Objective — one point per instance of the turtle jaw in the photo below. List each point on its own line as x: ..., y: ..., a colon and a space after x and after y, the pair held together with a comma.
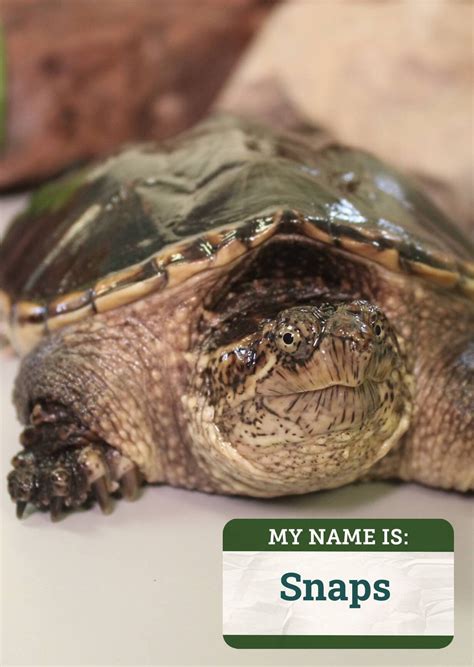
x: 322, y: 438
x: 324, y: 414
x: 300, y: 443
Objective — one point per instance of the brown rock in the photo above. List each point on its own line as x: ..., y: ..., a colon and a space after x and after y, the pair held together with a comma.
x: 83, y: 77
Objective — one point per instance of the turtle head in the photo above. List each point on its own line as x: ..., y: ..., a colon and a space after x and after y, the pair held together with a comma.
x: 309, y: 400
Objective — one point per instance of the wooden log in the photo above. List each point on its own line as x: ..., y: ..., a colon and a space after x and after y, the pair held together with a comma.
x: 85, y: 76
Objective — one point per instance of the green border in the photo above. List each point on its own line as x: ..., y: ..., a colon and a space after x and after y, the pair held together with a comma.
x: 421, y: 534
x: 338, y: 641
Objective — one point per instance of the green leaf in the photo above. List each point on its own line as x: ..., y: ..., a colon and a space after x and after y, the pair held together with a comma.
x: 52, y: 196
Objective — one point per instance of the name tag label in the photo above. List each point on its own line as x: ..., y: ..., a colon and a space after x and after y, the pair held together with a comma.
x: 369, y: 583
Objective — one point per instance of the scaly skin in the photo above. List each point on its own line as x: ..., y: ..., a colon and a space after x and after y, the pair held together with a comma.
x: 438, y: 450
x: 129, y: 380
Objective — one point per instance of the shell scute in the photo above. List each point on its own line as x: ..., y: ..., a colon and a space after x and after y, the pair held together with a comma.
x: 152, y: 216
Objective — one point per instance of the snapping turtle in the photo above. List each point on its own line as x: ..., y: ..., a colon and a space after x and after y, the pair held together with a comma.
x: 239, y: 311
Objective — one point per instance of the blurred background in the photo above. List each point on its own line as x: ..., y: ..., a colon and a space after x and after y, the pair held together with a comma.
x: 80, y: 77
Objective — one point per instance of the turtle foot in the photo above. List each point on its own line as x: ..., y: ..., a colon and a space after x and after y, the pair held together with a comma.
x: 69, y: 474
x: 72, y: 478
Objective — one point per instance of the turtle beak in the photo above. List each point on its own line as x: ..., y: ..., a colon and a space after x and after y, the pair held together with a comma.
x: 345, y: 351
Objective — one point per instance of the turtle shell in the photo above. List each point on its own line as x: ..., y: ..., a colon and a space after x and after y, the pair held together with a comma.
x: 153, y: 215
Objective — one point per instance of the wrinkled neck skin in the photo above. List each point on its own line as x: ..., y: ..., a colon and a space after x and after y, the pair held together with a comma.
x: 309, y: 400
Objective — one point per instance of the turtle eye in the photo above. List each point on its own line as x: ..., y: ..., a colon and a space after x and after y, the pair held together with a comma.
x: 379, y: 330
x: 288, y: 339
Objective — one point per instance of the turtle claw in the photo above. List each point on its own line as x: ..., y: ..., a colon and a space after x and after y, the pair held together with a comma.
x: 130, y: 483
x: 99, y: 487
x: 20, y: 508
x: 56, y: 508
x: 71, y: 477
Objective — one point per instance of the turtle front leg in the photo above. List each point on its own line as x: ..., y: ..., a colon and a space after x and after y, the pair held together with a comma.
x: 64, y: 465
